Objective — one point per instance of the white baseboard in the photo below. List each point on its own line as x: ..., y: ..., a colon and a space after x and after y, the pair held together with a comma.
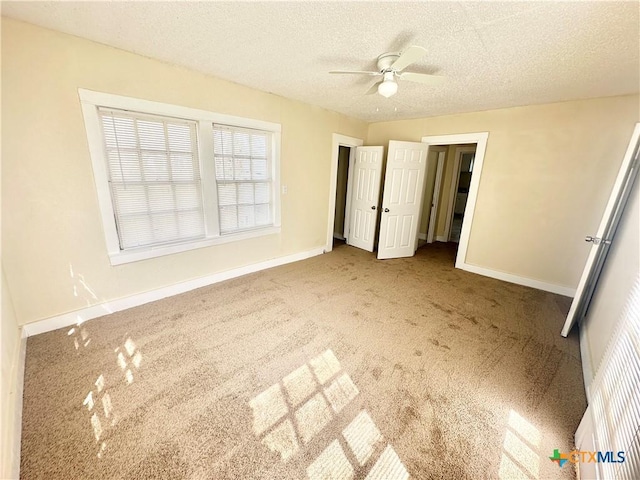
x: 78, y: 316
x: 422, y: 236
x: 17, y: 424
x: 527, y: 282
x: 12, y: 431
x: 441, y: 238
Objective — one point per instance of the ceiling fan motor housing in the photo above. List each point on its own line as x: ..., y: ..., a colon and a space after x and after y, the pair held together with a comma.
x: 386, y: 60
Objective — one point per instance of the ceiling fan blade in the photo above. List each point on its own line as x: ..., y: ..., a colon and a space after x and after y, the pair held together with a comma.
x: 373, y: 89
x: 355, y: 72
x: 409, y: 56
x: 422, y: 78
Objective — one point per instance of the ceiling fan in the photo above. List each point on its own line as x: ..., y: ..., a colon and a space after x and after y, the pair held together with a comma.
x: 391, y: 66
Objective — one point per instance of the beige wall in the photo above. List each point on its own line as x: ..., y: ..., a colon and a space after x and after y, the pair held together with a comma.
x: 51, y: 221
x: 619, y: 274
x: 547, y: 173
x: 10, y: 347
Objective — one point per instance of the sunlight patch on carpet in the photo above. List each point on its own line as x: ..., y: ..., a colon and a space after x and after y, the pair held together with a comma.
x: 282, y: 440
x: 341, y: 391
x: 331, y: 463
x: 527, y: 431
x: 325, y: 366
x: 520, y: 449
x: 129, y: 359
x: 362, y: 435
x: 312, y: 417
x: 268, y: 408
x: 299, y: 385
x: 290, y: 414
x: 388, y: 466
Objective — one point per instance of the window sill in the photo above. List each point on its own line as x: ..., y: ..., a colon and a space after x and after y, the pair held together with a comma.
x: 122, y: 257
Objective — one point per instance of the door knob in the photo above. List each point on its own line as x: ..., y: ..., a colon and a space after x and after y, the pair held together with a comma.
x: 373, y: 207
x: 386, y: 210
x: 596, y: 240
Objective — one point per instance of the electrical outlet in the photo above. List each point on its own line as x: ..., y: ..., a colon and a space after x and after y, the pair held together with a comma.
x: 284, y: 189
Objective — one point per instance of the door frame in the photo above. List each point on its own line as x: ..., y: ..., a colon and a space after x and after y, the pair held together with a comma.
x: 453, y: 192
x: 338, y: 141
x: 480, y: 139
x: 433, y: 215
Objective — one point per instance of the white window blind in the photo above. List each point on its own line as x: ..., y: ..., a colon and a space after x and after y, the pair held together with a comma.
x: 616, y: 394
x: 243, y: 177
x: 154, y: 177
x: 171, y: 178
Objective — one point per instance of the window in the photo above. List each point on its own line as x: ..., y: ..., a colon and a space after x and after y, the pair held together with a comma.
x: 172, y: 178
x: 243, y: 177
x: 154, y: 177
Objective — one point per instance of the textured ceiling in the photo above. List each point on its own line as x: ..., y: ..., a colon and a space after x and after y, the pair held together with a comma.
x: 494, y: 54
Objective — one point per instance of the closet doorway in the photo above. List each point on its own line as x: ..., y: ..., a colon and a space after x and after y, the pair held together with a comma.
x: 460, y: 181
x: 464, y: 157
x: 341, y: 208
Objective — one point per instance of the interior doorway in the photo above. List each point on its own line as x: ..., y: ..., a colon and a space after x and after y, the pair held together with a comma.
x: 341, y: 213
x: 432, y: 187
x: 447, y: 184
x: 464, y: 157
x: 343, y: 147
x: 459, y: 184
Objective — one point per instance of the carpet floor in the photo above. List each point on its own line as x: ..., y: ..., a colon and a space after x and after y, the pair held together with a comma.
x: 340, y: 366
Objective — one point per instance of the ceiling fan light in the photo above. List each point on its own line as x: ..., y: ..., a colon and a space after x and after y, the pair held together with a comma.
x: 388, y: 88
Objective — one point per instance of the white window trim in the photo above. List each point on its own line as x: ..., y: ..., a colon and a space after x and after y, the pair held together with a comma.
x: 91, y: 100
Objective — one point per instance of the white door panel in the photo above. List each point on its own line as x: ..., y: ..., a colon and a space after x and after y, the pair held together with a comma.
x: 402, y: 199
x: 604, y: 236
x: 366, y: 192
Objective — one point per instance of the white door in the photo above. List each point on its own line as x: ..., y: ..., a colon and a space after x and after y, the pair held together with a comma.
x: 402, y: 199
x: 607, y: 229
x: 367, y: 173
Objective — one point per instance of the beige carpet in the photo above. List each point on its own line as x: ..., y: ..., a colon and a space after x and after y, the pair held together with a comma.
x: 340, y: 366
